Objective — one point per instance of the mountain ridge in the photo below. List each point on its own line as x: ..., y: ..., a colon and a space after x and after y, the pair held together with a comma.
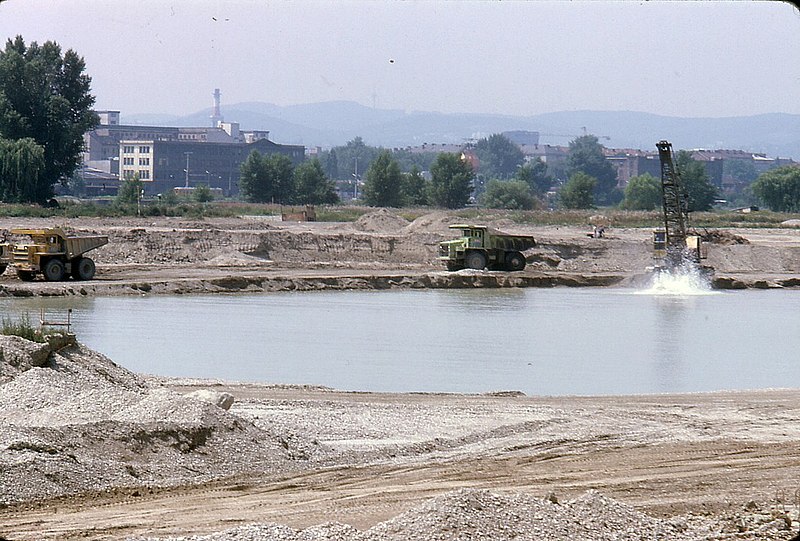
x: 327, y: 124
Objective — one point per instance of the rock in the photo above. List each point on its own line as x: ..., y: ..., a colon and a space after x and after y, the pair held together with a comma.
x: 222, y: 400
x: 23, y: 354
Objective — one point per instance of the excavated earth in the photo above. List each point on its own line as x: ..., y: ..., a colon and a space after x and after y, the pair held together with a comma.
x: 89, y: 450
x: 380, y: 250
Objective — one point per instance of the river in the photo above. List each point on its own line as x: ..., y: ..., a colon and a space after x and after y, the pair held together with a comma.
x: 560, y: 341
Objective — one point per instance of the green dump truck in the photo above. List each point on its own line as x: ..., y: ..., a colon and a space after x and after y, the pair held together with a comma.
x: 51, y: 253
x: 481, y: 247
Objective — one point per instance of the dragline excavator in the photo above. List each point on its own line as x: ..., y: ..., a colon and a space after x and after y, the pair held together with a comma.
x: 674, y: 245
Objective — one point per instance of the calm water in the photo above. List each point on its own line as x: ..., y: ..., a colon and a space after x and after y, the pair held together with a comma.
x: 540, y: 341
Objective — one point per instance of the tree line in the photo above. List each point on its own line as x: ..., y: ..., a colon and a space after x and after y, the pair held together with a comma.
x: 46, y: 107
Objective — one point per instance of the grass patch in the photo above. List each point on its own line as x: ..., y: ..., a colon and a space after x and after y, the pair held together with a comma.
x: 23, y: 328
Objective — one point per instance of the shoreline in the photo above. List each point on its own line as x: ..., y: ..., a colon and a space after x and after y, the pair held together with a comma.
x: 277, y: 281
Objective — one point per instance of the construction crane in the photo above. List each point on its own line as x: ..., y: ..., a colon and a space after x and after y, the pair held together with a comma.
x: 674, y: 245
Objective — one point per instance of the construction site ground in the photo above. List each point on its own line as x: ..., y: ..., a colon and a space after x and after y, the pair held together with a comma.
x: 90, y: 451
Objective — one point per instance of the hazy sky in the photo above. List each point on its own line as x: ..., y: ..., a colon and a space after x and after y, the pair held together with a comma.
x: 699, y: 59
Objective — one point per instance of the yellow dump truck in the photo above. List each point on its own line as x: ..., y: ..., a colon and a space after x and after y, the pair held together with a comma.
x: 51, y: 253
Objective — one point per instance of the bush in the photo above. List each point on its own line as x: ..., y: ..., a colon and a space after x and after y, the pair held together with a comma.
x: 23, y: 329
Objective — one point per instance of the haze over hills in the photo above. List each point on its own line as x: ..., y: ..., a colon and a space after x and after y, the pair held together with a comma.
x: 334, y: 123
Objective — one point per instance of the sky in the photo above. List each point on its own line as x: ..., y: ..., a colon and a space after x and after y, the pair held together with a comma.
x: 675, y: 58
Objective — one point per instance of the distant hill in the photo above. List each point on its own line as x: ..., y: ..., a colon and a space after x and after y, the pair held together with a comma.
x: 334, y: 123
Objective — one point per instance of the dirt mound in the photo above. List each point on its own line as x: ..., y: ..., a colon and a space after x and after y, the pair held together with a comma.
x: 380, y: 221
x: 481, y: 514
x: 72, y: 421
x: 435, y: 222
x: 725, y: 238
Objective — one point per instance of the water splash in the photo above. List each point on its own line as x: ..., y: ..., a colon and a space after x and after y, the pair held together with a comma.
x: 685, y: 280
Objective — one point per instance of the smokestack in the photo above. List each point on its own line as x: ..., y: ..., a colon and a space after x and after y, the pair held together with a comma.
x: 216, y: 116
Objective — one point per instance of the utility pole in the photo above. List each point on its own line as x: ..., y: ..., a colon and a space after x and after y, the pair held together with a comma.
x: 187, y: 169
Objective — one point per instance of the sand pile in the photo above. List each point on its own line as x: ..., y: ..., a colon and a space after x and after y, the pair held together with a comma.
x: 471, y: 514
x: 380, y: 221
x: 435, y: 222
x: 73, y: 421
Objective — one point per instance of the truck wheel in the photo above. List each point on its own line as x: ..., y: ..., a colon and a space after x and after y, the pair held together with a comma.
x: 454, y: 265
x: 475, y: 260
x: 53, y: 270
x: 515, y: 261
x: 83, y: 268
x: 26, y: 276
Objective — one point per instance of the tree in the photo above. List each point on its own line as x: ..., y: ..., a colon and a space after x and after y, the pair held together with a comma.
x: 21, y: 164
x: 779, y: 189
x: 312, y: 186
x: 382, y: 187
x: 354, y: 158
x: 44, y: 96
x: 586, y: 156
x: 413, y: 188
x: 451, y: 182
x: 202, y: 193
x: 267, y: 179
x: 578, y: 192
x: 508, y: 194
x: 534, y: 174
x: 129, y: 191
x: 699, y: 190
x: 332, y: 164
x: 642, y: 193
x: 499, y: 156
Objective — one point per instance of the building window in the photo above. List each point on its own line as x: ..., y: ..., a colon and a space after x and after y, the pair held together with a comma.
x: 144, y: 150
x: 144, y: 174
x: 128, y: 149
x: 144, y: 161
x: 128, y: 173
x: 127, y: 161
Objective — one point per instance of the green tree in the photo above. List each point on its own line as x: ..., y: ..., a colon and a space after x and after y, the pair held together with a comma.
x: 508, y: 194
x: 202, y: 193
x: 354, y: 157
x: 743, y: 171
x: 129, y: 191
x: 642, y: 193
x: 267, y: 179
x: 44, y: 96
x: 499, y: 156
x: 332, y: 164
x: 451, y: 182
x: 312, y: 186
x: 382, y: 187
x: 534, y: 174
x: 779, y: 189
x: 578, y: 192
x: 413, y: 188
x: 586, y: 156
x: 21, y: 164
x: 699, y: 190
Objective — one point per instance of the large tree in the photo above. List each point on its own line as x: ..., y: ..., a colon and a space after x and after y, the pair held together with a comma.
x: 586, y: 156
x: 413, y: 188
x: 451, y: 181
x: 44, y: 96
x: 508, y: 194
x: 578, y: 191
x: 267, y: 179
x: 499, y: 156
x: 779, y: 189
x: 312, y: 186
x: 699, y: 190
x: 642, y: 193
x: 21, y: 164
x: 534, y: 174
x: 383, y: 184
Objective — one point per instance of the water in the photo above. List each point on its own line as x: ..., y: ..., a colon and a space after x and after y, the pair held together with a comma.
x: 541, y: 341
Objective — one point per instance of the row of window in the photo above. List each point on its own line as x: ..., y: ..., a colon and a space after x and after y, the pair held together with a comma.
x: 131, y: 149
x: 130, y: 161
x: 144, y: 174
